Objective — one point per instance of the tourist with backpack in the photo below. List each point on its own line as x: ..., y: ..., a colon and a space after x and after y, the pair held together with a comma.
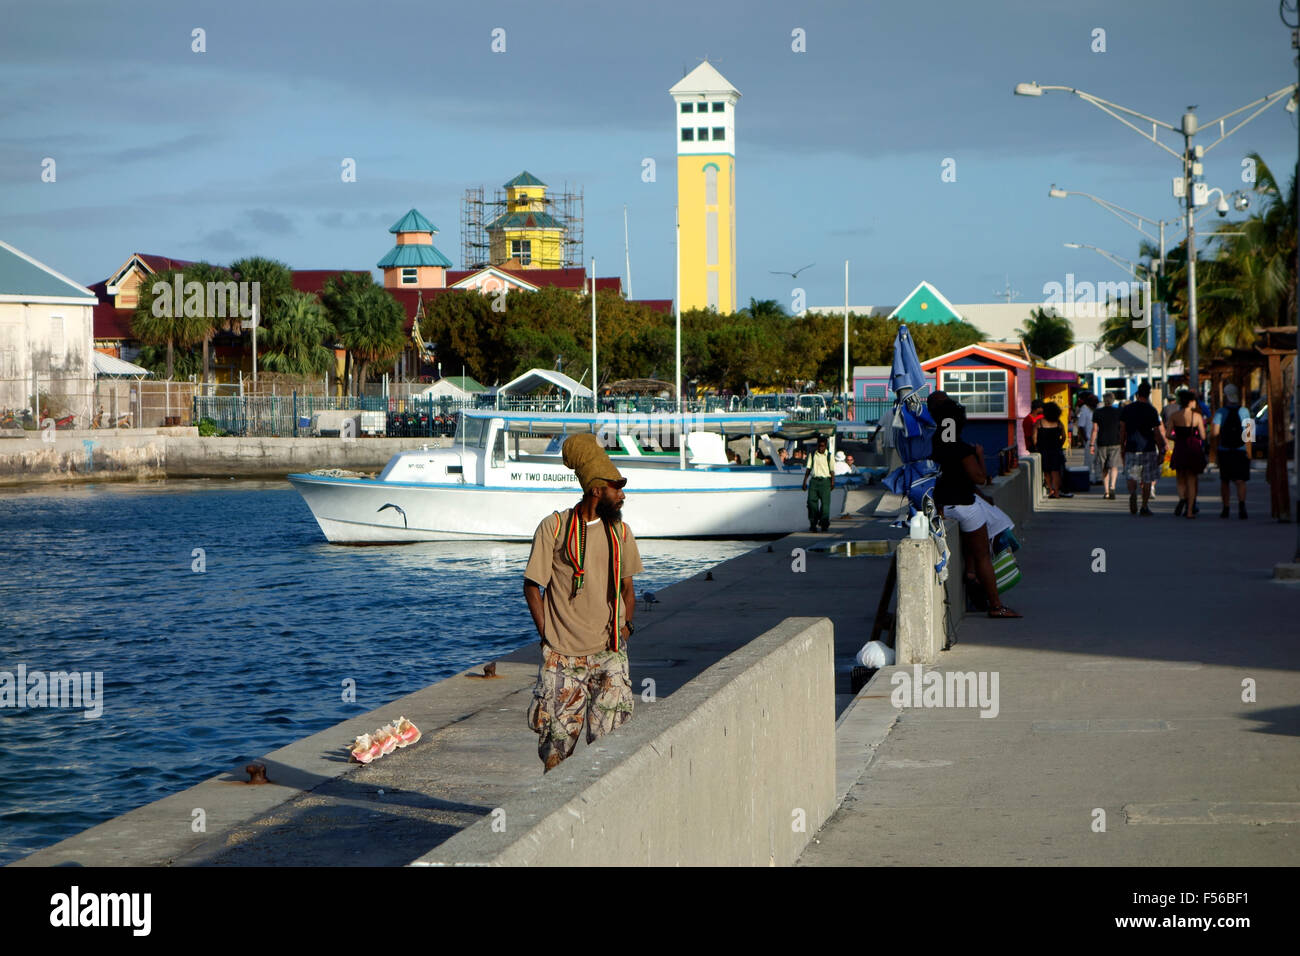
x: 1232, y: 439
x: 1143, y: 437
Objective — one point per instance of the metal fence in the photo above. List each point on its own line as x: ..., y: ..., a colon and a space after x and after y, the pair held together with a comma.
x: 293, y: 415
x: 102, y: 402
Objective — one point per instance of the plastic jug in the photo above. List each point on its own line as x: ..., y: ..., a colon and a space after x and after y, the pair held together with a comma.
x: 918, y: 528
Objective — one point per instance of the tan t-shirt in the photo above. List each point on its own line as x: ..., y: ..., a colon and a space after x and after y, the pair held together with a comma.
x: 819, y: 463
x: 584, y: 624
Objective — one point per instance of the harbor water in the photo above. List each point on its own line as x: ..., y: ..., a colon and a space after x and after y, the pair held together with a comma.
x: 223, y: 626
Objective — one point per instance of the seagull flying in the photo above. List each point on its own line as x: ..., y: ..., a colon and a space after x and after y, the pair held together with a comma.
x: 795, y: 274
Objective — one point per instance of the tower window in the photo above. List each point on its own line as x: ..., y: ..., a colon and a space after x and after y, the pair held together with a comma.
x: 718, y: 107
x: 719, y: 132
x: 522, y: 249
x: 702, y: 134
x: 410, y: 275
x: 711, y: 238
x: 687, y: 108
x: 688, y: 135
x: 710, y: 185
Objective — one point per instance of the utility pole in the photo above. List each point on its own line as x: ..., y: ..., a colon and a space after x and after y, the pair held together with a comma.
x: 1189, y: 198
x: 1293, y: 8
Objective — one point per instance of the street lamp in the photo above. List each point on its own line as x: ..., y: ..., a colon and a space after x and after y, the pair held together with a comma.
x: 1241, y: 201
x: 1291, y: 9
x: 1190, y: 156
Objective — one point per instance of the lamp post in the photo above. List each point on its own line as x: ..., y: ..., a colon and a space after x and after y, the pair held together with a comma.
x: 1190, y: 157
x: 845, y: 407
x: 1135, y: 220
x: 1293, y: 8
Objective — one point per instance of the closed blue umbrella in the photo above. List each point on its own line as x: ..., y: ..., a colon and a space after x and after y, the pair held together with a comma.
x: 912, y: 429
x: 912, y: 425
x: 905, y: 373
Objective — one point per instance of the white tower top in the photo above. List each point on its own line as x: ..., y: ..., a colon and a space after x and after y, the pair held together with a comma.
x: 705, y: 91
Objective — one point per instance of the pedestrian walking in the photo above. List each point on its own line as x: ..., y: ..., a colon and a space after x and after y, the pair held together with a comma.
x: 1143, y: 437
x: 1188, y: 458
x: 1232, y: 447
x: 956, y: 496
x: 1049, y: 439
x: 585, y: 558
x: 1087, y: 404
x: 1104, y: 443
x: 818, y: 480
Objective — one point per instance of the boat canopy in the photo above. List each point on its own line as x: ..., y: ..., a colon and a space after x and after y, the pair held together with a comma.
x: 579, y: 421
x: 536, y: 378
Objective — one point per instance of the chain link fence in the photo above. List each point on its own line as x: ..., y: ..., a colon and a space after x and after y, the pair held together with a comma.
x: 100, y: 402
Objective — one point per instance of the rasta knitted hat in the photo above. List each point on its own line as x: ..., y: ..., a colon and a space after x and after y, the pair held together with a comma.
x: 585, y: 455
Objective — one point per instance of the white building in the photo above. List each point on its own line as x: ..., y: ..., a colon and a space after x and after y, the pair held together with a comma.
x: 46, y: 334
x: 997, y: 321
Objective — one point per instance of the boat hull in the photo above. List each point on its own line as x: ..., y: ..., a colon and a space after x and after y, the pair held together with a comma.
x: 368, y: 511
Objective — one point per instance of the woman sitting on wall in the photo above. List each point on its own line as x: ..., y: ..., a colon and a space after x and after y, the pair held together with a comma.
x: 961, y: 472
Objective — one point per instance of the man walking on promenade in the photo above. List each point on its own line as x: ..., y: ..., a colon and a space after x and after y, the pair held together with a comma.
x: 1107, y: 452
x: 585, y: 558
x: 1143, y: 437
x: 1232, y: 449
x: 821, y: 471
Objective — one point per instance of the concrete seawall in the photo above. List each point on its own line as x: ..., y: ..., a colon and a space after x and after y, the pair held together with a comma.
x: 676, y: 786
x: 126, y: 455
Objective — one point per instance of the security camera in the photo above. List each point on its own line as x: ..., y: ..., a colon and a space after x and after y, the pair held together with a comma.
x: 1241, y: 203
x: 1222, y: 207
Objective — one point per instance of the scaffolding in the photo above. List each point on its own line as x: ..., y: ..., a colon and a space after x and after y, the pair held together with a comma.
x: 478, y: 212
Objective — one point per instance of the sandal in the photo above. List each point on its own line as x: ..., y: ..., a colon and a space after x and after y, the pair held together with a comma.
x: 1003, y: 611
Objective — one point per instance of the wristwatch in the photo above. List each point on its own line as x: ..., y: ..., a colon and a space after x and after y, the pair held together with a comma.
x: 630, y: 628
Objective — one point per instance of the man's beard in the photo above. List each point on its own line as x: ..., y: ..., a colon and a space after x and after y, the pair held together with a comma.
x: 608, y: 511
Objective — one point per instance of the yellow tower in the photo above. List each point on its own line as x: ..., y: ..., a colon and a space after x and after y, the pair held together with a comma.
x: 706, y: 188
x: 526, y: 236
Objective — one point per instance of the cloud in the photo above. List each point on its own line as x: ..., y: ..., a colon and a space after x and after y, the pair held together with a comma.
x: 270, y: 222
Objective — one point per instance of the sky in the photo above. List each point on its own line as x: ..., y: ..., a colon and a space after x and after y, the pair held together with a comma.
x: 841, y: 148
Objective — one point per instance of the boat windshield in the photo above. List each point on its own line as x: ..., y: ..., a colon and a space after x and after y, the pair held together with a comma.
x: 471, y: 431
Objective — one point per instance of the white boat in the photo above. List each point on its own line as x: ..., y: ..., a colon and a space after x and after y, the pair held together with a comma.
x: 503, y: 474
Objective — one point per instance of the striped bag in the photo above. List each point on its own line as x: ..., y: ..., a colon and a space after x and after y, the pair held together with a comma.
x: 1005, y: 570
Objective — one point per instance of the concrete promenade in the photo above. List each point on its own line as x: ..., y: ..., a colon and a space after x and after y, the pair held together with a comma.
x: 1119, y: 691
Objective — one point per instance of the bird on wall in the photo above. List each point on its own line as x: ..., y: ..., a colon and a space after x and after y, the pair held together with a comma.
x: 795, y: 274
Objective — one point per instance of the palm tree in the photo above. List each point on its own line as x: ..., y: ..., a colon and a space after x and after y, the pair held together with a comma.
x: 369, y: 321
x: 1249, y: 280
x: 764, y: 308
x: 171, y: 323
x: 1046, y: 334
x: 274, y: 281
x: 295, y: 342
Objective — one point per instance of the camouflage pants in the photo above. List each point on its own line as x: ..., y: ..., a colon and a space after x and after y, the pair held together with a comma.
x: 593, y: 688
